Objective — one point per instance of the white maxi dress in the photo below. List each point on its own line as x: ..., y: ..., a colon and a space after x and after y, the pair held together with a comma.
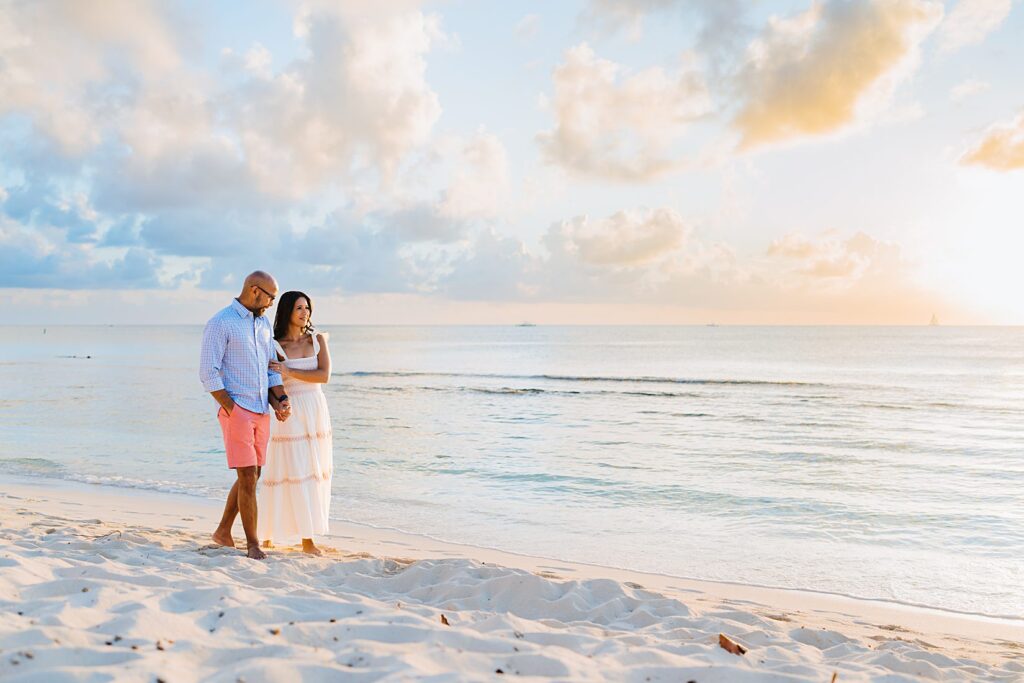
x: 294, y: 498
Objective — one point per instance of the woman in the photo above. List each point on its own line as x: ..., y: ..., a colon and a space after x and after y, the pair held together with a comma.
x: 295, y: 490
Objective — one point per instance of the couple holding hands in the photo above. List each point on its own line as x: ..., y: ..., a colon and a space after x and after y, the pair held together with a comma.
x: 250, y: 369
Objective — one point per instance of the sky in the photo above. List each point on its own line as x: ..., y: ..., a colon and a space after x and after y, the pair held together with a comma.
x: 486, y: 162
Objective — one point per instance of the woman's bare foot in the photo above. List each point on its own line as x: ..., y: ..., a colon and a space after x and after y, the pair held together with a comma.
x: 254, y: 553
x: 223, y: 538
x: 268, y: 543
x: 309, y: 548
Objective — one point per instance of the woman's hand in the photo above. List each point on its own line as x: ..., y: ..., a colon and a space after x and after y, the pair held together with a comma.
x: 279, y: 367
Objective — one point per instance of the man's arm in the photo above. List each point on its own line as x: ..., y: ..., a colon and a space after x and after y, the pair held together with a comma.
x: 221, y: 397
x: 211, y: 358
x: 276, y: 391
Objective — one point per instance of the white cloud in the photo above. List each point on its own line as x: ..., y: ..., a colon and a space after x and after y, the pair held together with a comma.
x: 649, y: 257
x: 823, y: 70
x: 1001, y: 148
x: 528, y: 27
x: 359, y: 100
x: 52, y: 64
x: 627, y: 238
x: 627, y: 15
x: 479, y: 182
x: 38, y: 259
x: 620, y: 128
x: 966, y: 89
x: 971, y: 21
x: 827, y: 258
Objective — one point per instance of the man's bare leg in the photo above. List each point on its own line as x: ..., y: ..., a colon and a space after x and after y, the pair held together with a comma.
x: 222, y: 536
x: 247, y: 477
x: 309, y: 548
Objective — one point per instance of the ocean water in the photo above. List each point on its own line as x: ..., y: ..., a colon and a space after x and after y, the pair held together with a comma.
x: 883, y: 463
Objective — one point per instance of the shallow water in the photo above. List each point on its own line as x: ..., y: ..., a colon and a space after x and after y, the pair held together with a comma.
x: 875, y: 462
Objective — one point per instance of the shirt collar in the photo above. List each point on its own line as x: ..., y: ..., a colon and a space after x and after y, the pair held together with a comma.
x: 241, y: 310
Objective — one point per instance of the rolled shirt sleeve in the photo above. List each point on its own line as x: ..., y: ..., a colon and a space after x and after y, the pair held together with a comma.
x: 273, y: 378
x: 211, y: 357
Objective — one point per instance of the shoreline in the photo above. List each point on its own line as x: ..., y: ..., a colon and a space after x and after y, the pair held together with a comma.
x: 379, y: 535
x: 750, y: 612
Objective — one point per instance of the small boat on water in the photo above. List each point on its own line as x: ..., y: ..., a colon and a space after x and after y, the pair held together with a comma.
x: 934, y: 321
x: 526, y: 325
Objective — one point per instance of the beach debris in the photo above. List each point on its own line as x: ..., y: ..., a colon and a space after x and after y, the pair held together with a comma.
x: 275, y: 631
x: 730, y: 645
x: 160, y: 645
x: 444, y: 620
x: 85, y: 590
x: 518, y: 634
x: 498, y: 671
x: 333, y: 620
x: 835, y: 675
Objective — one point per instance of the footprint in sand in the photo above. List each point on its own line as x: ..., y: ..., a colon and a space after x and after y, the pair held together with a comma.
x: 548, y: 575
x: 214, y: 550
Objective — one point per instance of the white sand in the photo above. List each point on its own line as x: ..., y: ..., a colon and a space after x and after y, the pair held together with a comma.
x: 101, y: 584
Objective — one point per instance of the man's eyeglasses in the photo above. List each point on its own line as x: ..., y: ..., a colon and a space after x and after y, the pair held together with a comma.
x: 272, y: 296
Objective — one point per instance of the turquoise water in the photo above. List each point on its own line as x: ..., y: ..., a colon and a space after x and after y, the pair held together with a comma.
x: 875, y: 462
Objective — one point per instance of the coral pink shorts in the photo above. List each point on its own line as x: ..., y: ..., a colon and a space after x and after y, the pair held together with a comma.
x: 245, y: 436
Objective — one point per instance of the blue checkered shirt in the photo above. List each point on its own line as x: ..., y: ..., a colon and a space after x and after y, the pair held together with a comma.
x: 237, y: 350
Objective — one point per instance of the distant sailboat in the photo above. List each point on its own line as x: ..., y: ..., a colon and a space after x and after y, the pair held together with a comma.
x: 934, y: 321
x: 526, y: 325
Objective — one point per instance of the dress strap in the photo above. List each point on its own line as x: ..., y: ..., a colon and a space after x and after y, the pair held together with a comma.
x: 316, y: 344
x: 280, y: 350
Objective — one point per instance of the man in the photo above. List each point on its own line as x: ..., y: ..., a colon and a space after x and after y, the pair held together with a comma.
x: 238, y: 345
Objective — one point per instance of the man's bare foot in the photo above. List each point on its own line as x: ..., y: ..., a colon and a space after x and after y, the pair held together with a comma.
x: 268, y: 544
x: 254, y: 553
x: 223, y: 538
x: 309, y: 548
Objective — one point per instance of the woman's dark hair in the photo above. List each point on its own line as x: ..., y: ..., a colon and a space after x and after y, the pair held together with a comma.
x: 285, y: 308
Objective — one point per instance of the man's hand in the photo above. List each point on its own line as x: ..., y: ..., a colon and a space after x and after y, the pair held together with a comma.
x: 225, y: 401
x: 283, y: 410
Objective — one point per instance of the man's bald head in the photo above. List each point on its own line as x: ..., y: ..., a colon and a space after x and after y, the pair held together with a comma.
x: 258, y: 292
x: 261, y: 278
